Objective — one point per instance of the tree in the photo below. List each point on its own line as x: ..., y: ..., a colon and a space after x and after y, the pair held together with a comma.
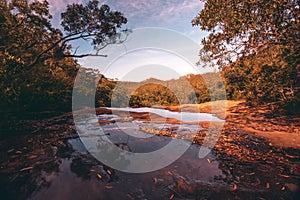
x: 98, y: 24
x: 259, y: 37
x: 241, y: 28
x: 94, y: 22
x: 37, y: 68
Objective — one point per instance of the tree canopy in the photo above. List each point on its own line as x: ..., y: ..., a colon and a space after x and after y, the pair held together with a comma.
x: 37, y: 65
x: 240, y: 27
x: 91, y: 22
x: 257, y: 44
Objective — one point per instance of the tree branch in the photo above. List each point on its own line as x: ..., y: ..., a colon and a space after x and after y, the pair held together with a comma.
x: 37, y: 58
x: 83, y: 55
x: 69, y: 38
x: 76, y: 38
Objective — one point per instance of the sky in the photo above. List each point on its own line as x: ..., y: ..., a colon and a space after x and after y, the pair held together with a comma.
x: 172, y: 16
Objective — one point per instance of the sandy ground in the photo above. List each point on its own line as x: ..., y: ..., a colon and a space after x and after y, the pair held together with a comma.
x: 279, y: 130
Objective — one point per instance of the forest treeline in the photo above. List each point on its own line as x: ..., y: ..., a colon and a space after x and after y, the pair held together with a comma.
x: 192, y: 88
x: 38, y: 66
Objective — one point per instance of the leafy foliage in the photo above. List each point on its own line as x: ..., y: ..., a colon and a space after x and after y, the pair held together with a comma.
x: 104, y: 92
x: 37, y: 67
x: 152, y: 92
x: 241, y: 28
x: 261, y: 78
x: 258, y: 44
x: 91, y: 21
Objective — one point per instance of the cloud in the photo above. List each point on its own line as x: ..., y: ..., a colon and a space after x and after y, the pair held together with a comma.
x: 173, y: 14
x: 57, y: 6
x: 157, y: 64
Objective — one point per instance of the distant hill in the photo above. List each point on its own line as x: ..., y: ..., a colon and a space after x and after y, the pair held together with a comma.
x: 191, y: 88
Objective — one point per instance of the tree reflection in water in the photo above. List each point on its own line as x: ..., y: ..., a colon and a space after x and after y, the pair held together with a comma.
x: 53, y: 163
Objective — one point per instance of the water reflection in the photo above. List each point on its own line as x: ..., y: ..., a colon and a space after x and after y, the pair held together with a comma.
x: 54, y: 164
x: 83, y: 176
x: 183, y: 116
x: 63, y: 169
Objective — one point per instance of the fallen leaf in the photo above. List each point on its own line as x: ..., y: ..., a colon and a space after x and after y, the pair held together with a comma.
x: 109, y: 172
x: 283, y: 188
x: 267, y: 185
x: 170, y: 173
x: 285, y: 176
x: 234, y: 187
x: 208, y: 161
x: 108, y: 187
x: 11, y: 150
x: 172, y: 196
x: 32, y: 156
x: 290, y: 156
x: 99, y: 176
x: 25, y: 169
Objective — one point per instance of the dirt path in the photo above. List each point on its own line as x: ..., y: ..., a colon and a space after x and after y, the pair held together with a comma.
x: 277, y: 129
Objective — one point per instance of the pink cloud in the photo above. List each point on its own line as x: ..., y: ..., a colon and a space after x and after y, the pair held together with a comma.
x: 174, y: 14
x: 57, y: 6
